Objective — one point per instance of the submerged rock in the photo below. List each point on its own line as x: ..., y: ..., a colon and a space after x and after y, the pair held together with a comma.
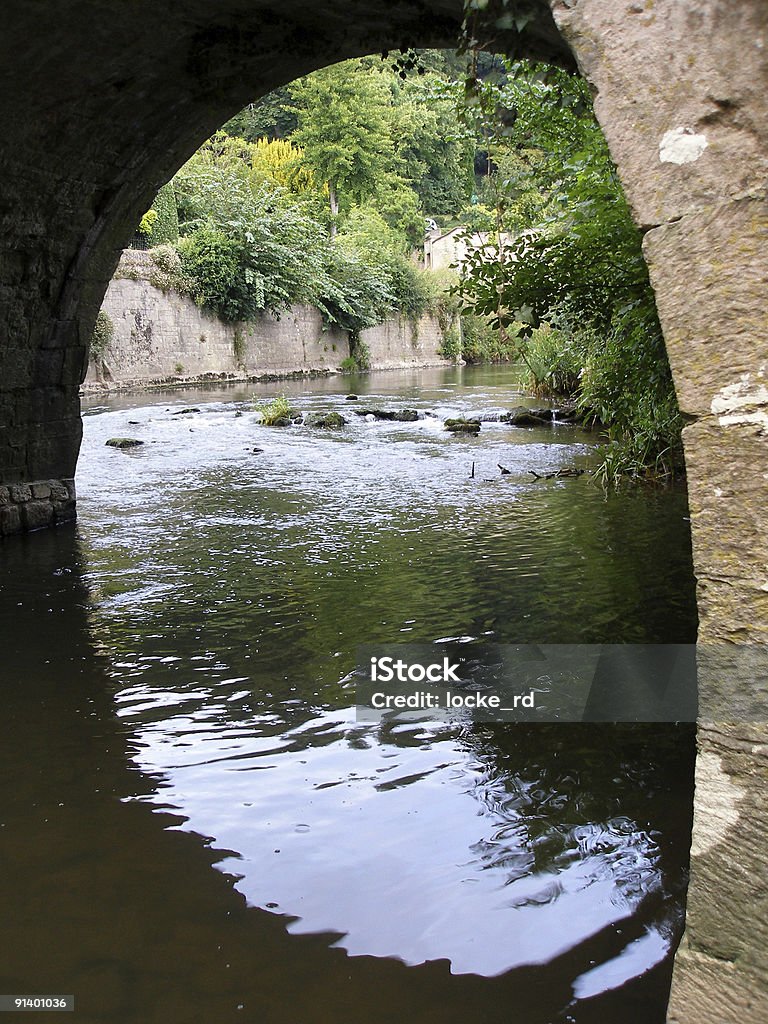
x: 328, y: 421
x: 463, y: 426
x: 351, y: 398
x: 183, y: 412
x: 123, y: 442
x: 396, y: 415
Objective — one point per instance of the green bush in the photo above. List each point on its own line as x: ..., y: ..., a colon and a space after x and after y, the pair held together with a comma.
x: 273, y: 411
x: 354, y: 295
x: 483, y: 343
x: 216, y: 263
x: 103, y: 331
x: 554, y: 359
x: 450, y: 345
x: 166, y: 226
x: 167, y: 271
x: 361, y: 355
x: 627, y: 385
x: 368, y: 237
x: 147, y: 224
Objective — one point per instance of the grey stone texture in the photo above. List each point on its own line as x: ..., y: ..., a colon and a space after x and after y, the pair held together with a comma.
x: 681, y: 91
x: 99, y: 108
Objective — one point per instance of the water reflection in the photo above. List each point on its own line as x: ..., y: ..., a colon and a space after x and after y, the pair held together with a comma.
x: 414, y: 841
x: 181, y: 705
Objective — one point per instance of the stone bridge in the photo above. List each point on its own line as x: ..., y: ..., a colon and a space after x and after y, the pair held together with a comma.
x: 100, y: 103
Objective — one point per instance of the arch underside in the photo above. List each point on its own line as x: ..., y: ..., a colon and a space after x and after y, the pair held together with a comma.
x: 102, y: 102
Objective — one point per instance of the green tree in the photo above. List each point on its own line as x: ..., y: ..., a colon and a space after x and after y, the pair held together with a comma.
x: 270, y: 117
x: 166, y: 226
x: 344, y: 130
x: 436, y: 148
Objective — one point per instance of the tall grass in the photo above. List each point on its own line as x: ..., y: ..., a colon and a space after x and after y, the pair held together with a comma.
x: 271, y: 412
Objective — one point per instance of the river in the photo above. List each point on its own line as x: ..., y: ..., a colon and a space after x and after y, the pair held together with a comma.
x: 196, y: 825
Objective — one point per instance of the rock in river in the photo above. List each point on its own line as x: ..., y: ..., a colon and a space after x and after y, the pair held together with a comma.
x: 328, y: 421
x: 123, y: 442
x: 291, y: 417
x: 397, y: 415
x: 523, y: 417
x: 463, y: 426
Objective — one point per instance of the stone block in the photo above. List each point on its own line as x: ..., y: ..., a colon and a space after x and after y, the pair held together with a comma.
x: 41, y: 490
x: 699, y: 134
x: 727, y: 460
x: 5, y: 496
x: 10, y: 520
x: 721, y: 975
x: 21, y: 493
x: 36, y: 514
x: 49, y: 366
x: 40, y: 405
x: 62, y: 334
x: 65, y: 511
x: 53, y: 450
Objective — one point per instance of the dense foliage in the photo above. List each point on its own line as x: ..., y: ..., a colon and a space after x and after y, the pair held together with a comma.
x: 562, y: 278
x: 160, y: 224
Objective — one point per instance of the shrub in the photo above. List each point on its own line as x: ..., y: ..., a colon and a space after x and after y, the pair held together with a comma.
x: 554, y: 358
x: 354, y: 295
x: 103, y: 331
x: 238, y: 345
x: 273, y: 411
x: 627, y: 384
x: 167, y: 272
x: 450, y: 344
x: 214, y: 262
x: 166, y: 226
x: 483, y: 343
x: 147, y: 224
x: 361, y: 354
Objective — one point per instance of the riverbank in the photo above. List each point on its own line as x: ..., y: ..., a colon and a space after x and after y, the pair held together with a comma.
x: 154, y: 337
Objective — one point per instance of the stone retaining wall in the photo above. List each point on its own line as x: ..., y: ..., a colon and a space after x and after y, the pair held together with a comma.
x: 162, y: 336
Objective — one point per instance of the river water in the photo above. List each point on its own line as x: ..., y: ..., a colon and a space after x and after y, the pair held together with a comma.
x: 196, y: 827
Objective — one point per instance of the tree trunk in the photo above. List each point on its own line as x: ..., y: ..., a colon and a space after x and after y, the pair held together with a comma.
x: 334, y: 199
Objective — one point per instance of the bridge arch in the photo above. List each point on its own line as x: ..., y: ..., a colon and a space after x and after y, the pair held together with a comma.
x: 102, y: 104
